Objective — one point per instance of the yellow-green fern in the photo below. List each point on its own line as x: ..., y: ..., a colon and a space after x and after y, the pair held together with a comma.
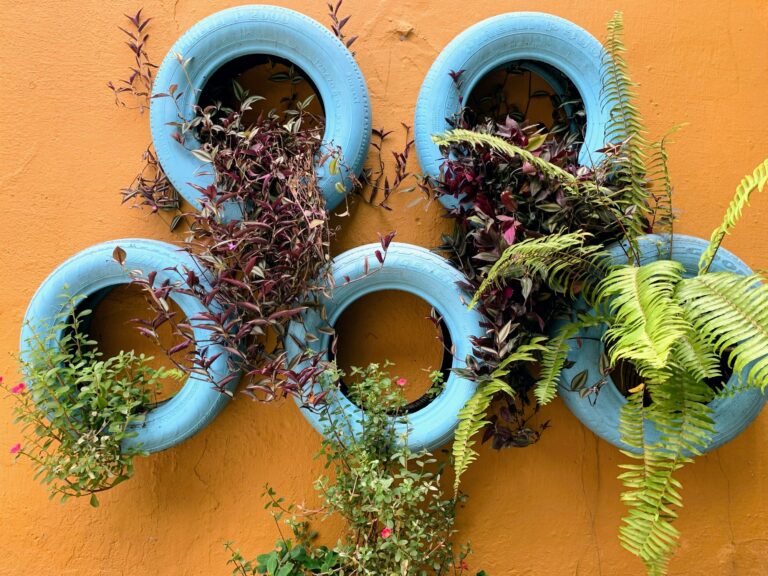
x: 730, y: 313
x: 661, y: 186
x: 552, y: 362
x: 751, y: 182
x: 562, y: 260
x: 461, y: 136
x: 472, y: 415
x: 646, y: 321
x: 555, y: 355
x: 681, y: 414
x: 625, y: 126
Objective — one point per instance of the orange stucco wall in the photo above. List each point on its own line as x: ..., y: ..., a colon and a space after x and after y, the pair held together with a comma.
x: 552, y: 509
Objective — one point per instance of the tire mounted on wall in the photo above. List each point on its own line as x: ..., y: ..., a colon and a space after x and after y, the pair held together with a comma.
x: 420, y: 272
x: 493, y: 43
x: 265, y: 30
x: 92, y: 273
x: 731, y: 414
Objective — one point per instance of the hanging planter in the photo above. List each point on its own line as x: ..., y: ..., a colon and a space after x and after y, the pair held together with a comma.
x: 599, y: 410
x: 261, y: 30
x: 497, y: 41
x: 89, y: 276
x: 430, y: 421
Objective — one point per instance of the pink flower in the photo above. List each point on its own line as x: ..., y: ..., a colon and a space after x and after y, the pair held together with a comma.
x: 386, y: 533
x: 15, y: 448
x: 463, y: 565
x: 231, y: 245
x: 401, y: 382
x: 20, y: 387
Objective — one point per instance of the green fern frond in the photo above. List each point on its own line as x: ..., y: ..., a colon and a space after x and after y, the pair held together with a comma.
x: 683, y: 418
x: 625, y: 126
x: 681, y: 413
x: 663, y: 217
x: 472, y: 415
x: 461, y: 136
x: 647, y: 321
x: 696, y: 357
x: 471, y: 421
x: 647, y: 530
x: 631, y: 429
x: 555, y: 354
x: 730, y: 313
x: 552, y: 361
x: 751, y: 182
x: 560, y: 259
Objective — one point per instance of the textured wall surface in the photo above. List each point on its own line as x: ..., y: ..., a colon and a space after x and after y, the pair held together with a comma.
x: 66, y: 150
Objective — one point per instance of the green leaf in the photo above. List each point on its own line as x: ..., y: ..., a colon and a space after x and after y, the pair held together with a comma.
x: 579, y: 381
x: 751, y: 182
x: 647, y: 321
x: 202, y: 155
x: 730, y: 314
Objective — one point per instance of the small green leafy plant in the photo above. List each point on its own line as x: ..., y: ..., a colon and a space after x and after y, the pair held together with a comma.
x: 76, y: 407
x: 397, y: 518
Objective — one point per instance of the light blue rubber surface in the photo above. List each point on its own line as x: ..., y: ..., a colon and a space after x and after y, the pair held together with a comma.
x: 93, y: 271
x: 422, y: 273
x: 266, y: 30
x: 731, y: 414
x: 497, y: 41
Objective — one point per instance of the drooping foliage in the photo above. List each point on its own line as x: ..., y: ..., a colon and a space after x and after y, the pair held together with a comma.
x: 673, y: 330
x: 519, y: 182
x: 472, y: 415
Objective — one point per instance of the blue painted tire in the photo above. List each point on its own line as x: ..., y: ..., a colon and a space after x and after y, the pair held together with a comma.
x: 410, y: 269
x: 274, y: 31
x: 731, y: 414
x: 93, y: 272
x: 495, y: 42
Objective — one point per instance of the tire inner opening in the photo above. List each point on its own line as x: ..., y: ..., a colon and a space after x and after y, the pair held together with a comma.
x: 391, y: 317
x: 519, y: 90
x: 109, y: 324
x: 282, y: 84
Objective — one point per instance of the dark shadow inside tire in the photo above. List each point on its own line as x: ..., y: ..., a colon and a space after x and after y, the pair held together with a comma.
x: 521, y: 89
x: 279, y: 81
